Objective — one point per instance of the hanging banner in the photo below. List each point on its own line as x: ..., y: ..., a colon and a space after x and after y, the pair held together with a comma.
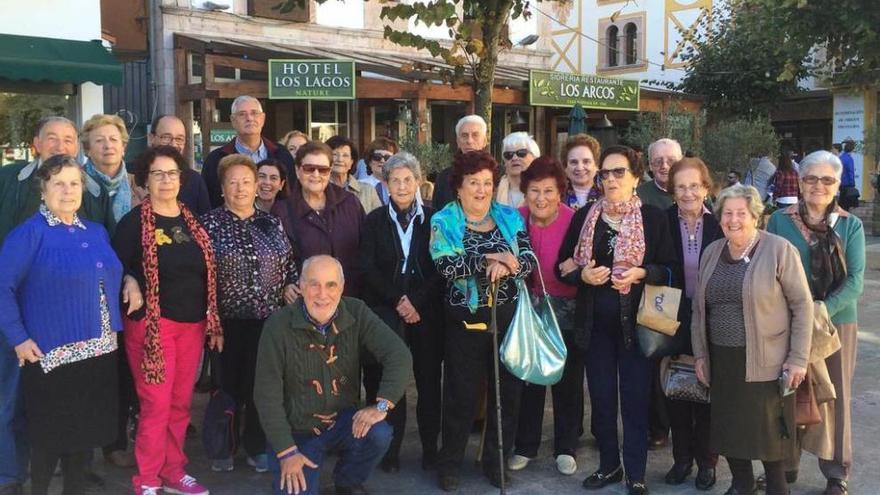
x: 563, y: 89
x: 311, y: 79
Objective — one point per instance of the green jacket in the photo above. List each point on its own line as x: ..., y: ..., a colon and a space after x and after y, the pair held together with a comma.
x: 843, y: 304
x: 293, y: 382
x: 20, y: 199
x: 652, y: 195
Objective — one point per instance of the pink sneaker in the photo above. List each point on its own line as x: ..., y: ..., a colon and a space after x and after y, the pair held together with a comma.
x: 186, y: 485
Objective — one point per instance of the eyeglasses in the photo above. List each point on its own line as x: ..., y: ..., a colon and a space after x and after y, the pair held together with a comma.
x: 162, y: 174
x: 619, y: 173
x: 252, y: 114
x: 825, y: 180
x: 660, y: 160
x: 310, y: 169
x: 379, y: 157
x: 169, y: 138
x: 692, y: 188
x: 337, y: 154
x: 508, y: 155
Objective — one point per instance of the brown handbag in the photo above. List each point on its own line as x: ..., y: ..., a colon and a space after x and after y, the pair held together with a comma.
x: 806, y: 410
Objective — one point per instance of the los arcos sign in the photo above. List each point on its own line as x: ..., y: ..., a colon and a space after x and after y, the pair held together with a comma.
x: 563, y: 89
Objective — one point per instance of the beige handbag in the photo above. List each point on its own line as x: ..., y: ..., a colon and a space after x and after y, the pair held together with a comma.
x: 658, y: 309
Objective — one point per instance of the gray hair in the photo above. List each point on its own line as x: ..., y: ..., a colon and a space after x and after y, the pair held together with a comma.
x: 238, y: 101
x: 471, y: 119
x: 402, y: 160
x: 662, y: 142
x: 52, y: 119
x: 322, y: 257
x: 519, y: 140
x: 749, y: 193
x: 820, y: 157
x: 54, y: 165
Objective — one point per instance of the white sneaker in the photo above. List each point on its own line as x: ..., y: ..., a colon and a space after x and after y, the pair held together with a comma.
x: 566, y: 464
x: 148, y: 490
x: 517, y: 462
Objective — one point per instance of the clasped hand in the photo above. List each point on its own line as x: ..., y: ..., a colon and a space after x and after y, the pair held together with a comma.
x: 500, y: 265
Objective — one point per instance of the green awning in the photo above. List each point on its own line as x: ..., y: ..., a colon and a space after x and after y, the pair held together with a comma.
x: 26, y: 58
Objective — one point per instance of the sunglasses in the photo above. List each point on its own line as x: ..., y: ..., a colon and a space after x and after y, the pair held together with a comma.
x: 619, y: 173
x: 508, y: 155
x: 310, y: 169
x: 825, y: 180
x: 379, y: 157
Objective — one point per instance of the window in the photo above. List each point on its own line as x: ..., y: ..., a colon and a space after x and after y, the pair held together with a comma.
x: 337, y: 13
x: 631, y: 49
x: 612, y: 42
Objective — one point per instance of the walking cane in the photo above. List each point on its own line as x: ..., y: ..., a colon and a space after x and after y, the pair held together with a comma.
x: 493, y: 327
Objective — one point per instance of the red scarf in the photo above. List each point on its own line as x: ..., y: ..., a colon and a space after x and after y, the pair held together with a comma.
x: 153, y: 364
x: 629, y: 250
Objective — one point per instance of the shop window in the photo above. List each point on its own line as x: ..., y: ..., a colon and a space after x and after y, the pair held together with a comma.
x: 612, y: 40
x: 337, y: 13
x: 328, y: 118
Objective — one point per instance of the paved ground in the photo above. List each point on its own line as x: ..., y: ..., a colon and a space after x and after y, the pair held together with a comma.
x: 541, y: 475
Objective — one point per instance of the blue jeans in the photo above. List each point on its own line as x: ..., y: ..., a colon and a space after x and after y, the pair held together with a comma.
x: 13, y: 440
x: 358, y: 456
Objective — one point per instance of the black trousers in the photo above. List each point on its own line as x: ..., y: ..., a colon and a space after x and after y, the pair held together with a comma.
x: 73, y: 467
x: 128, y: 401
x: 690, y: 433
x: 568, y: 409
x: 238, y: 366
x: 469, y: 364
x: 744, y: 477
x: 425, y: 341
x: 659, y: 419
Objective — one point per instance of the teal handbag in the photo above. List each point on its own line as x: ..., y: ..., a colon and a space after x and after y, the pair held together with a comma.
x: 533, y: 349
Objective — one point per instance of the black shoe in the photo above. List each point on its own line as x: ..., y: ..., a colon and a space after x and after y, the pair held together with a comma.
x: 734, y: 491
x: 836, y: 486
x: 447, y: 482
x: 11, y: 489
x: 599, y: 479
x: 494, y: 476
x: 429, y: 460
x: 351, y: 490
x: 636, y: 488
x: 678, y: 473
x: 705, y: 479
x: 390, y: 464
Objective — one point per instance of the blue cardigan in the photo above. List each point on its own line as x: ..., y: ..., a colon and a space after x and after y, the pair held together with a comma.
x: 49, y: 283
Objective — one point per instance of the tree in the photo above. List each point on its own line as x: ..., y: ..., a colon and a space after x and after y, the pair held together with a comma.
x: 673, y: 122
x: 20, y: 113
x: 730, y: 145
x: 478, y: 33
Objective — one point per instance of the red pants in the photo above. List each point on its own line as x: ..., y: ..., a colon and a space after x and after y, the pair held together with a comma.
x: 165, y: 407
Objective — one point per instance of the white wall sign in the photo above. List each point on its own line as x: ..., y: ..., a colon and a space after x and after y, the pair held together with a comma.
x: 849, y: 123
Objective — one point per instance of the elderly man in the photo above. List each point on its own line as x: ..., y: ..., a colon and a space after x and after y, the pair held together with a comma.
x: 307, y: 384
x: 662, y: 153
x: 470, y: 135
x: 168, y: 130
x: 247, y: 120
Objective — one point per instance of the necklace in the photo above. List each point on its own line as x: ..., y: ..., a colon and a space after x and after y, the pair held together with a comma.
x: 692, y: 245
x: 614, y: 224
x: 745, y: 254
x: 477, y: 223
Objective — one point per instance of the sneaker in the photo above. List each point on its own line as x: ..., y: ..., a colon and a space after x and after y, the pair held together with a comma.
x: 259, y: 462
x: 566, y: 464
x: 147, y: 490
x: 186, y: 485
x: 517, y: 462
x: 222, y: 465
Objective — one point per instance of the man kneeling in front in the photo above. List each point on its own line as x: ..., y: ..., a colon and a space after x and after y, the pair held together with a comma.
x: 307, y: 385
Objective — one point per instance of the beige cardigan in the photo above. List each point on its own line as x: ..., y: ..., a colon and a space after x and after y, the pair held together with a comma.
x: 777, y: 308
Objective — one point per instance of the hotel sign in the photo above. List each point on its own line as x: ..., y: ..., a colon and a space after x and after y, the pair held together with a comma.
x: 563, y: 89
x: 311, y: 79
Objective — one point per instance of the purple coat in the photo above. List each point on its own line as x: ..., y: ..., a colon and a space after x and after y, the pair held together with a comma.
x: 337, y: 231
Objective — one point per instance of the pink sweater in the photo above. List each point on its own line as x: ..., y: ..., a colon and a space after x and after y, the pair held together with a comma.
x: 546, y: 242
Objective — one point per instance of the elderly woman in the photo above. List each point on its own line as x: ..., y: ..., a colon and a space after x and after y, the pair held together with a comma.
x: 104, y: 139
x: 610, y: 251
x: 320, y: 217
x: 344, y: 157
x: 293, y: 140
x: 831, y: 244
x: 579, y: 158
x: 162, y: 245
x: 752, y: 322
x: 693, y: 227
x: 271, y: 183
x: 519, y: 151
x: 65, y: 340
x: 402, y: 287
x: 547, y: 219
x: 377, y: 153
x: 475, y: 243
x: 255, y: 276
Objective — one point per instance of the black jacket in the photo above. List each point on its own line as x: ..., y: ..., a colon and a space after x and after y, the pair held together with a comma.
x: 382, y: 257
x: 209, y: 168
x: 659, y: 259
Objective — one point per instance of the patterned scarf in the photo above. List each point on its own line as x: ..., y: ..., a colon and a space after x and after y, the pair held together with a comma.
x: 629, y: 250
x: 827, y: 270
x: 117, y: 188
x: 153, y: 364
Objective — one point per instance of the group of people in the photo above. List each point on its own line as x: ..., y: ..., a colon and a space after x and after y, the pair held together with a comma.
x: 309, y: 283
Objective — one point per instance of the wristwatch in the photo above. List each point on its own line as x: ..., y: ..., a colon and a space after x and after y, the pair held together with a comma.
x: 383, y: 406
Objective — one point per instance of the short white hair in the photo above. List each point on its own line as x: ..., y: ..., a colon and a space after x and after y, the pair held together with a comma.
x: 471, y: 119
x: 749, y: 193
x: 663, y: 142
x: 520, y: 140
x: 307, y: 264
x: 820, y: 157
x: 238, y: 101
x: 53, y: 119
x: 402, y: 160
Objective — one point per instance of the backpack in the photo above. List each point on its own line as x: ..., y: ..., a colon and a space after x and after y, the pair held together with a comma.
x: 218, y: 429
